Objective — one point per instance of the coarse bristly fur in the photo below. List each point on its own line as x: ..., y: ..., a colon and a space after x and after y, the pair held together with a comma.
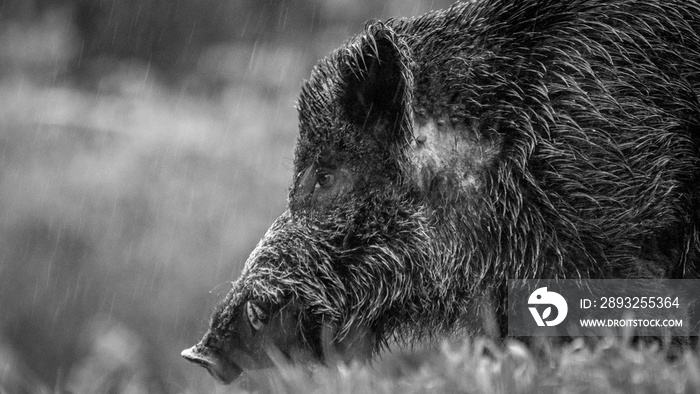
x: 439, y: 156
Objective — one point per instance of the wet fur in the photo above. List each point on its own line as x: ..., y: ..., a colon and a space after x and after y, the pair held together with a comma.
x: 575, y: 153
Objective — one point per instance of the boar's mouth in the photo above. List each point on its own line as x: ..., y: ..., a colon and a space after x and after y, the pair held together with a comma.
x: 219, y: 367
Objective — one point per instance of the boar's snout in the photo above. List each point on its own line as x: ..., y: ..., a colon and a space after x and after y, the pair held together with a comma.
x: 246, y: 335
x: 221, y: 369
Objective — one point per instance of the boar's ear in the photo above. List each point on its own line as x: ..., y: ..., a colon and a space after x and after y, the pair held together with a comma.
x: 375, y: 81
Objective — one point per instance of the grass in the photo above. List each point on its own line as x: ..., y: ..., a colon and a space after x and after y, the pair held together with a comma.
x: 479, y: 366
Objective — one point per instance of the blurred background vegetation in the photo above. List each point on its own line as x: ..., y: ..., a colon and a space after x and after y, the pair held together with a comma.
x: 145, y: 146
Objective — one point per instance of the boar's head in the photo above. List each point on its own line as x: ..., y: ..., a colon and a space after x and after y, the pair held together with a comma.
x: 358, y: 252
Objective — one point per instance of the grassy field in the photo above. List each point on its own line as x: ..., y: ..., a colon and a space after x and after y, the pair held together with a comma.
x: 128, y: 204
x: 478, y: 366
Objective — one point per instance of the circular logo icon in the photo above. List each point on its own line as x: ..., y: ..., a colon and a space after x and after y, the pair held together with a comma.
x: 543, y: 297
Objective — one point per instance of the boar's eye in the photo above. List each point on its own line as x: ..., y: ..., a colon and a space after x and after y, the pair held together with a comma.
x: 257, y: 317
x: 318, y: 185
x: 324, y: 178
